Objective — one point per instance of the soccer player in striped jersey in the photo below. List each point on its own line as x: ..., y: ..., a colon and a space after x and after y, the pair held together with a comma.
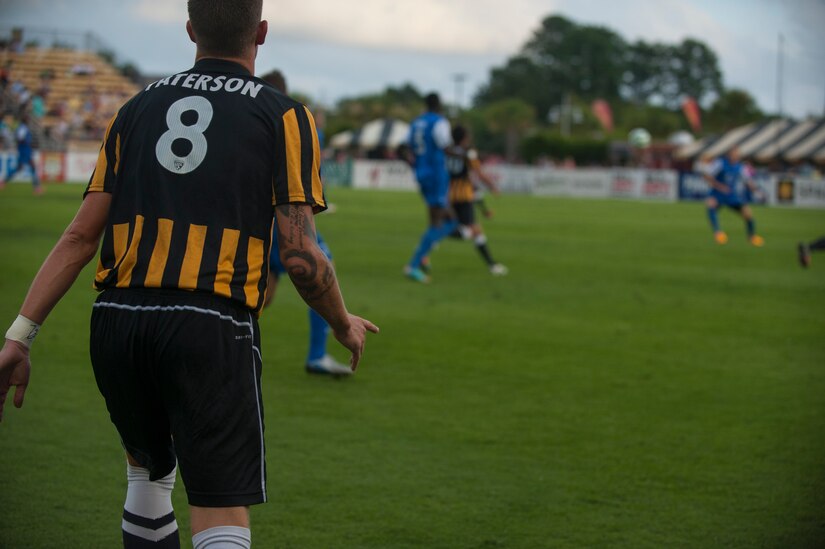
x: 463, y: 165
x: 190, y: 173
x: 318, y: 360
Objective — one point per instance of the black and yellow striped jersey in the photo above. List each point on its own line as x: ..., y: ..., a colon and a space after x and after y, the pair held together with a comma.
x: 196, y: 163
x: 460, y: 163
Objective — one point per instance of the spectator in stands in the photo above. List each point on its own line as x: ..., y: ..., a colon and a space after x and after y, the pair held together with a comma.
x: 6, y: 136
x: 5, y: 74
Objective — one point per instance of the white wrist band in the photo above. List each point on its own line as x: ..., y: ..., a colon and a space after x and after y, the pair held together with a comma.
x: 23, y: 331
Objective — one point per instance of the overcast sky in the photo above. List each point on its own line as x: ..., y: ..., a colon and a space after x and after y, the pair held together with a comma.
x: 330, y: 49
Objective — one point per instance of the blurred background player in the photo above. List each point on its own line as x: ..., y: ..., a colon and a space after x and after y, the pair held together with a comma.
x: 804, y: 250
x: 729, y: 182
x: 25, y: 154
x: 318, y: 360
x: 463, y: 165
x: 429, y: 137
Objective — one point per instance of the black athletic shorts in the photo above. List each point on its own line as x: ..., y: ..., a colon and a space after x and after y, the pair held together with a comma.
x: 464, y: 212
x: 181, y: 375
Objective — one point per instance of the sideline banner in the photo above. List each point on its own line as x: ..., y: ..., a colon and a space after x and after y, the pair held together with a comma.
x: 383, y: 174
x: 692, y: 186
x: 52, y: 167
x: 79, y: 166
x: 809, y: 193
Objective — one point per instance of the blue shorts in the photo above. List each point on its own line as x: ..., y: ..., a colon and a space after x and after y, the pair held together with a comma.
x: 730, y: 200
x: 435, y: 189
x: 277, y: 268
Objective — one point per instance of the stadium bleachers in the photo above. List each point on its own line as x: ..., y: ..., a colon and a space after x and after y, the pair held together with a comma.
x: 84, y: 90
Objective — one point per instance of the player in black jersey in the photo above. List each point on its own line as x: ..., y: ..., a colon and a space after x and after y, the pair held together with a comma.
x: 463, y: 165
x: 189, y: 176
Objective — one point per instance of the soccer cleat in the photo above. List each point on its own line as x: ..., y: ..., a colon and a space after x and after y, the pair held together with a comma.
x: 720, y: 237
x: 425, y: 265
x: 326, y: 365
x: 757, y: 241
x: 497, y: 269
x: 804, y: 254
x: 416, y: 274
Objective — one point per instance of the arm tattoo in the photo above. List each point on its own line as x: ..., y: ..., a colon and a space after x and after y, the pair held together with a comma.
x: 302, y: 268
x: 300, y: 226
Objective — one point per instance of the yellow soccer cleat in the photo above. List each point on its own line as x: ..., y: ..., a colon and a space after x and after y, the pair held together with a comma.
x: 757, y: 241
x: 720, y: 237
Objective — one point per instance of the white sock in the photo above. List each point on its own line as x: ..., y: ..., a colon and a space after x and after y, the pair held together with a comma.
x: 148, y: 517
x: 223, y: 537
x: 481, y: 240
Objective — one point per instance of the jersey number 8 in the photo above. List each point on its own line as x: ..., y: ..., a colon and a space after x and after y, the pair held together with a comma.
x: 178, y: 130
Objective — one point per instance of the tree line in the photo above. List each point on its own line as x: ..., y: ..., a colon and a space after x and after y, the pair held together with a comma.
x: 556, y: 75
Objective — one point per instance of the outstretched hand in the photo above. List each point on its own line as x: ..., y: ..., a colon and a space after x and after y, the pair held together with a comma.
x: 14, y: 371
x: 355, y: 337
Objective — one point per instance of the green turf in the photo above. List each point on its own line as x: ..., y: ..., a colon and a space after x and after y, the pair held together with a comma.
x: 629, y: 384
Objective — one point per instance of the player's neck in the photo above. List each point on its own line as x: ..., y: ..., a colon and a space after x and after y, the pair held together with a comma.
x: 246, y: 61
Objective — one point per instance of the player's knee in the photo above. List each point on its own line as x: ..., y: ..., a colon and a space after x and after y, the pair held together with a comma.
x: 711, y: 203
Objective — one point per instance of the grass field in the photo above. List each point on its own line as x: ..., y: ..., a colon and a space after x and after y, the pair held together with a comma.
x: 629, y: 384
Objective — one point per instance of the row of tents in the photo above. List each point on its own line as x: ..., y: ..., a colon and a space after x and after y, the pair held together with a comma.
x: 767, y: 142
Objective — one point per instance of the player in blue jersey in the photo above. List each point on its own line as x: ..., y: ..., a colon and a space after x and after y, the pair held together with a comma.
x: 429, y: 136
x: 25, y: 153
x: 731, y: 185
x: 318, y: 360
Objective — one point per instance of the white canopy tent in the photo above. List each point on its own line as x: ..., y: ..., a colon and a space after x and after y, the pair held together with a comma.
x: 769, y: 141
x: 383, y: 132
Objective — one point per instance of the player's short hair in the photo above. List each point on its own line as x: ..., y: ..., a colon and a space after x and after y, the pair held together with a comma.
x: 433, y: 102
x: 225, y: 27
x: 459, y: 133
x: 276, y: 79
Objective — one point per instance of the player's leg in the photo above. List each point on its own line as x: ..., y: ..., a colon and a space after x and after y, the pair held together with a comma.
x: 13, y: 169
x: 148, y: 516
x: 276, y: 269
x: 804, y: 250
x: 135, y: 408
x: 750, y: 226
x: 318, y: 360
x: 210, y: 373
x: 712, y: 205
x: 271, y: 288
x: 480, y: 241
x: 35, y: 179
x: 220, y: 528
x: 441, y: 225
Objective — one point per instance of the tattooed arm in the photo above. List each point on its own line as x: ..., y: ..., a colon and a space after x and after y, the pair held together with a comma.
x: 314, y: 278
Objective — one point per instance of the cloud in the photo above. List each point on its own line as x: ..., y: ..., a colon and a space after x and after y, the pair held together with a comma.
x: 459, y: 26
x: 160, y: 11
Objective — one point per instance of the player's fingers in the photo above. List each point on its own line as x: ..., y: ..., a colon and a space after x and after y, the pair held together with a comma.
x: 19, y: 393
x: 371, y: 327
x: 355, y: 359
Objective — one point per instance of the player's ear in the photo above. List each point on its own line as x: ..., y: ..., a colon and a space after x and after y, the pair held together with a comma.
x: 260, y: 35
x: 190, y: 32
